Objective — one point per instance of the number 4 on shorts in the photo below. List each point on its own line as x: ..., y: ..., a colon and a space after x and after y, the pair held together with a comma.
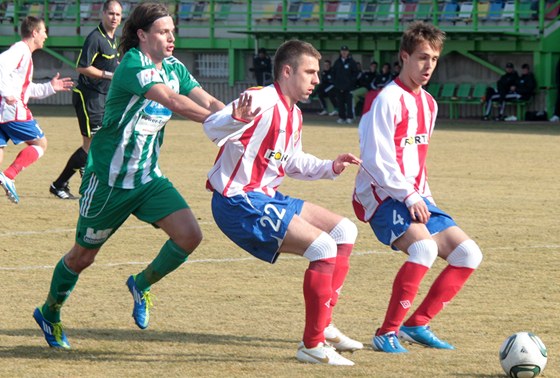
x: 397, y: 219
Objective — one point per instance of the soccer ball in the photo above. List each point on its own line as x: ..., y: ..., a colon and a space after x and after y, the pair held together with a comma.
x: 523, y: 355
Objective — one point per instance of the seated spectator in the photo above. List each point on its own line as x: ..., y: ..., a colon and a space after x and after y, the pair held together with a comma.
x: 506, y: 86
x: 524, y: 90
x: 383, y: 78
x: 325, y: 90
x: 380, y: 81
x: 364, y: 83
x: 526, y: 86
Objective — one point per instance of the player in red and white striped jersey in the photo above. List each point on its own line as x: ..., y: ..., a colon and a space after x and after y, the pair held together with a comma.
x: 16, y: 87
x: 393, y: 196
x: 253, y: 160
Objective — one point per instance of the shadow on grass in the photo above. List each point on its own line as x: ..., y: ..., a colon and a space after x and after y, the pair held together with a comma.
x: 193, y: 350
x: 113, y: 356
x: 470, y: 375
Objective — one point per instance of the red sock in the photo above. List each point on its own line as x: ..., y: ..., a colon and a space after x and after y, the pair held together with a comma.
x: 24, y: 159
x: 405, y: 288
x: 341, y: 268
x: 317, y: 294
x: 443, y: 290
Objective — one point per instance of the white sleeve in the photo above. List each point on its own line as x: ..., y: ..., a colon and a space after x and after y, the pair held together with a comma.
x: 41, y: 90
x: 221, y: 126
x: 307, y: 167
x: 377, y: 132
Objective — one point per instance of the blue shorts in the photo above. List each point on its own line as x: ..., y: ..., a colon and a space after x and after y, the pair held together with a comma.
x: 392, y: 219
x: 19, y: 132
x: 256, y: 222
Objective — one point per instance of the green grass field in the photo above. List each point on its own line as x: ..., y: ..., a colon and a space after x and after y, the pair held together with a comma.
x: 225, y: 313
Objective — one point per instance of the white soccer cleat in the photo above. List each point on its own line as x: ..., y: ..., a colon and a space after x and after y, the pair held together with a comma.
x: 340, y: 341
x: 321, y: 354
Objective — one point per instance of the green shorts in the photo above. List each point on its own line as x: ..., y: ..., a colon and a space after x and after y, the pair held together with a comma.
x: 103, y: 209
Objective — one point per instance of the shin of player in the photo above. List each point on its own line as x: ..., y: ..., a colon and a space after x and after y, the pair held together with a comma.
x: 392, y: 194
x: 254, y: 158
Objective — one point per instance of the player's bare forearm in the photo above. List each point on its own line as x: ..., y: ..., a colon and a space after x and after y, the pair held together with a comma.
x: 177, y: 103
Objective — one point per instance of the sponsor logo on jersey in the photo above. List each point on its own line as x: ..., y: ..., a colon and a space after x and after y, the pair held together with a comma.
x: 96, y: 237
x: 147, y: 76
x: 276, y: 155
x: 415, y: 140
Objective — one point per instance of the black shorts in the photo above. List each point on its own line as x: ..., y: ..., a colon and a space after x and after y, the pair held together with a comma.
x: 90, y: 107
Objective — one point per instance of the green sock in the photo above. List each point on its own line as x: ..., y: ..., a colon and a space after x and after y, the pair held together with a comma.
x: 170, y: 257
x: 62, y: 284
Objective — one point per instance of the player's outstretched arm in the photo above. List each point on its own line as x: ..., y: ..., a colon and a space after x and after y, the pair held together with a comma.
x: 344, y: 160
x: 61, y: 84
x: 177, y: 103
x: 205, y: 99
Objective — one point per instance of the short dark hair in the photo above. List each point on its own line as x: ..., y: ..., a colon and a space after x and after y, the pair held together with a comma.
x: 141, y: 17
x: 525, y: 66
x: 29, y: 25
x: 289, y: 53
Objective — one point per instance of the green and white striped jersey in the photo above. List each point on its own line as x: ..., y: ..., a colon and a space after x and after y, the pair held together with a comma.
x: 124, y: 152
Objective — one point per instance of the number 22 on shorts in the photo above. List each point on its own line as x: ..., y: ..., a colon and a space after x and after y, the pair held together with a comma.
x: 273, y: 219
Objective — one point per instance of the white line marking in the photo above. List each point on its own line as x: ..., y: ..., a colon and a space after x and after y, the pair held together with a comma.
x: 251, y: 258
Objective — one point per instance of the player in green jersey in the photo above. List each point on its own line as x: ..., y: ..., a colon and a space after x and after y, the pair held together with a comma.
x: 122, y: 175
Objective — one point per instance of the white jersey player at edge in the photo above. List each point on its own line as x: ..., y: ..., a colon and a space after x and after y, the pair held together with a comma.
x: 252, y: 162
x: 393, y: 196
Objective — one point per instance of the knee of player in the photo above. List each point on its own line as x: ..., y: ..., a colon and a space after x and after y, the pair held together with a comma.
x: 190, y: 240
x: 466, y: 255
x: 323, y: 247
x: 79, y: 258
x: 423, y: 252
x: 42, y: 143
x: 345, y: 232
x: 40, y: 148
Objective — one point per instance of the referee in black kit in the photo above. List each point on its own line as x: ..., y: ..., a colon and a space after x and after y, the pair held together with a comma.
x: 96, y: 64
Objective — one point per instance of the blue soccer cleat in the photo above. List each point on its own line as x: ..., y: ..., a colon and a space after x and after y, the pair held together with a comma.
x: 9, y: 187
x: 388, y: 343
x: 54, y: 334
x: 423, y: 335
x: 142, y: 304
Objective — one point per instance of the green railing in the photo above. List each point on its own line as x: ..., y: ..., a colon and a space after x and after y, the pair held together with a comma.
x: 220, y: 22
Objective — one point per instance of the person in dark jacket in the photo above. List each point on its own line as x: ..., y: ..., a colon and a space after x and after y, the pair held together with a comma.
x: 384, y: 77
x: 326, y: 90
x: 262, y: 67
x: 363, y: 86
x: 505, y: 86
x: 345, y: 71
